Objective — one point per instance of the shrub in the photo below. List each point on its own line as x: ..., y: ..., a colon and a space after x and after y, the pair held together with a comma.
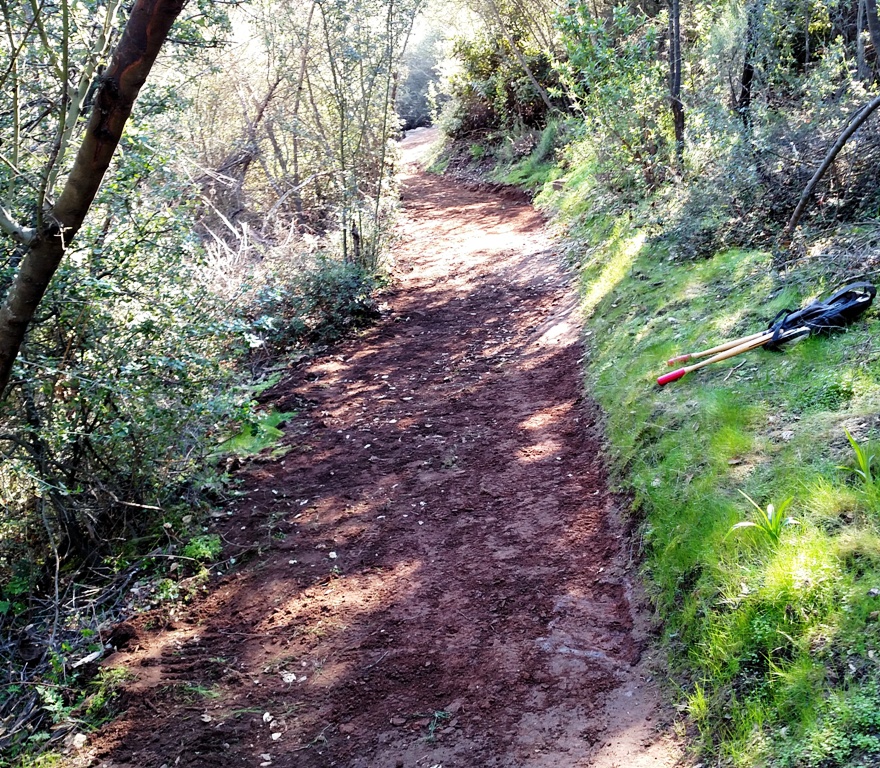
x: 492, y: 91
x: 317, y: 304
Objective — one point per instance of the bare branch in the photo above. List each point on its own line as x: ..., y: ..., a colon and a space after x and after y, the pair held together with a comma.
x: 19, y: 233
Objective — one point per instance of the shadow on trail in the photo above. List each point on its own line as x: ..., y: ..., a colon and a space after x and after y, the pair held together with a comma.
x: 439, y: 581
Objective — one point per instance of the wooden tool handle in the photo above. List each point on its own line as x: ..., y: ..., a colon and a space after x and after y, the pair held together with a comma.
x: 758, y: 341
x: 715, y: 350
x: 754, y: 343
x: 674, y: 376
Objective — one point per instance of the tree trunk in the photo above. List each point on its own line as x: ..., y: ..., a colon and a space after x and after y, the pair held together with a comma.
x: 861, y: 64
x: 144, y: 34
x: 675, y: 78
x: 744, y: 102
x: 297, y: 101
x: 873, y: 25
x: 857, y: 121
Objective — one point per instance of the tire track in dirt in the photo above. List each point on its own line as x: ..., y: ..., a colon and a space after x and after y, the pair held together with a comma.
x: 441, y: 578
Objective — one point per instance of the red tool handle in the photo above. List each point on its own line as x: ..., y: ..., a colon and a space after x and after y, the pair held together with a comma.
x: 679, y: 359
x: 674, y: 376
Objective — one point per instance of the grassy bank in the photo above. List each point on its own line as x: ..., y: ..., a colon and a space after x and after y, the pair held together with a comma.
x: 776, y: 645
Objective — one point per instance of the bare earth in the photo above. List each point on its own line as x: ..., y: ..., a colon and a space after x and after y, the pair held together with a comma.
x: 436, y: 573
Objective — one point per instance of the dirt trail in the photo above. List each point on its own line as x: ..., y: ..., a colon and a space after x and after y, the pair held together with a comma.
x: 441, y: 578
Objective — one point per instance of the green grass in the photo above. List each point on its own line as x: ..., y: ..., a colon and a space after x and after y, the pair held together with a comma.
x: 777, y: 648
x: 535, y: 170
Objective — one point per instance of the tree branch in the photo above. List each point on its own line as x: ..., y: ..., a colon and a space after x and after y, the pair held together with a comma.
x: 16, y: 231
x: 858, y: 119
x: 147, y: 29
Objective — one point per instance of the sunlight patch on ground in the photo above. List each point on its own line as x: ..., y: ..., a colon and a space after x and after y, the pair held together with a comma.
x: 355, y: 596
x: 614, y: 271
x: 538, y: 451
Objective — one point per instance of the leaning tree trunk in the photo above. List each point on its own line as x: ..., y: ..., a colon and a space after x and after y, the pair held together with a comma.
x: 855, y: 123
x: 146, y: 31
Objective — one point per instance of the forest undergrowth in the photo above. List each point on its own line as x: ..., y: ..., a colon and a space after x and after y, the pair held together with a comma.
x: 709, y: 166
x: 228, y: 238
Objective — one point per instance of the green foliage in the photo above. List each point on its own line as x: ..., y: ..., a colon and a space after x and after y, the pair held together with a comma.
x: 258, y: 432
x: 614, y: 75
x: 318, y: 304
x: 205, y: 548
x: 847, y: 728
x: 770, y: 522
x: 137, y: 363
x: 492, y: 91
x: 102, y: 695
x: 864, y: 461
x: 781, y: 636
x: 537, y: 168
x: 121, y: 381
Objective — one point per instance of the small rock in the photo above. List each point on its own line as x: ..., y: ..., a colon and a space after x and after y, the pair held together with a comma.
x: 267, y: 718
x: 873, y: 592
x: 332, y: 555
x: 398, y: 721
x: 79, y: 741
x: 874, y: 615
x: 206, y: 718
x: 276, y: 736
x: 346, y: 728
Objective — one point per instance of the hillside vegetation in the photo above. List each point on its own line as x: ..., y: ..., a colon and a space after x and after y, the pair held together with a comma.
x: 157, y: 270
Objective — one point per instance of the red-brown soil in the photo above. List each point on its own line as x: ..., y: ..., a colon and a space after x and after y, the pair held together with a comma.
x: 440, y: 578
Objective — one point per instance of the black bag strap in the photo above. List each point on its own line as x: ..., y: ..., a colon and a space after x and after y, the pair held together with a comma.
x: 838, y: 310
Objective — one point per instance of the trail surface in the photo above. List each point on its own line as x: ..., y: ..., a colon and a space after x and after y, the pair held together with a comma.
x: 440, y: 577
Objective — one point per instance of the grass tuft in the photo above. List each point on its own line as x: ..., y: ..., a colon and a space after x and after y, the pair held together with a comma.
x: 770, y: 522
